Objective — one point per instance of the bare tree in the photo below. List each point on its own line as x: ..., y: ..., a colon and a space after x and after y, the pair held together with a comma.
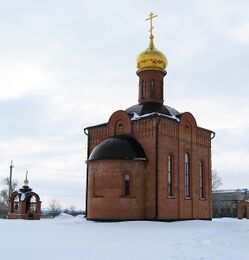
x: 4, y: 194
x: 216, y: 180
x: 54, y: 208
x: 71, y: 211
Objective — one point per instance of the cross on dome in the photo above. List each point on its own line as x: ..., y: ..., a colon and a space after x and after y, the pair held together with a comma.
x: 151, y: 16
x: 151, y: 58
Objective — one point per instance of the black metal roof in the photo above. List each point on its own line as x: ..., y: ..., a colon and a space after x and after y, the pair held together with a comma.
x: 118, y: 147
x: 25, y: 188
x: 152, y: 107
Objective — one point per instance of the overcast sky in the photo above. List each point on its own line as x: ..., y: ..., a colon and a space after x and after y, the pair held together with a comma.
x: 65, y: 65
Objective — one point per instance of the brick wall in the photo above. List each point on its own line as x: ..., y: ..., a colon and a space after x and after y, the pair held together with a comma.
x: 158, y: 137
x: 106, y: 198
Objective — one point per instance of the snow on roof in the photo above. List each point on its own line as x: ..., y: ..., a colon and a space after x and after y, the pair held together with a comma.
x: 137, y: 117
x: 232, y: 191
x: 23, y: 195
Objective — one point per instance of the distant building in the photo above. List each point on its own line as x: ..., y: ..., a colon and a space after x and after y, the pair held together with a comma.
x: 24, y: 204
x: 225, y: 202
x: 149, y: 161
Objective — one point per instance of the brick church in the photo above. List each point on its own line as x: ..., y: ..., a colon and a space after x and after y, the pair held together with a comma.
x: 149, y: 162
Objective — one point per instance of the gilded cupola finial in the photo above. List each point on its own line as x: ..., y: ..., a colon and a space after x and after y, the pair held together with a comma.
x: 151, y: 16
x: 26, y: 181
x: 151, y: 58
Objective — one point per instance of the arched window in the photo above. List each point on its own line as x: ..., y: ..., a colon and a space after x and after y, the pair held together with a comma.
x: 16, y: 204
x: 143, y: 89
x: 97, y: 184
x: 187, y: 175
x: 162, y: 89
x: 202, y: 180
x: 170, y: 176
x: 152, y: 88
x: 31, y: 207
x: 127, y: 190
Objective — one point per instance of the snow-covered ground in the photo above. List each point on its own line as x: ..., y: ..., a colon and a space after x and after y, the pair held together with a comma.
x: 74, y: 238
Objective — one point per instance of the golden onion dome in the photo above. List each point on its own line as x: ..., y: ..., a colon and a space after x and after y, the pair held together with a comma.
x: 151, y: 58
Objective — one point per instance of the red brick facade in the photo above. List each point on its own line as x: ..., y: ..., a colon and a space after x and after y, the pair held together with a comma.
x: 159, y: 137
x: 144, y: 82
x: 173, y: 182
x: 106, y: 197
